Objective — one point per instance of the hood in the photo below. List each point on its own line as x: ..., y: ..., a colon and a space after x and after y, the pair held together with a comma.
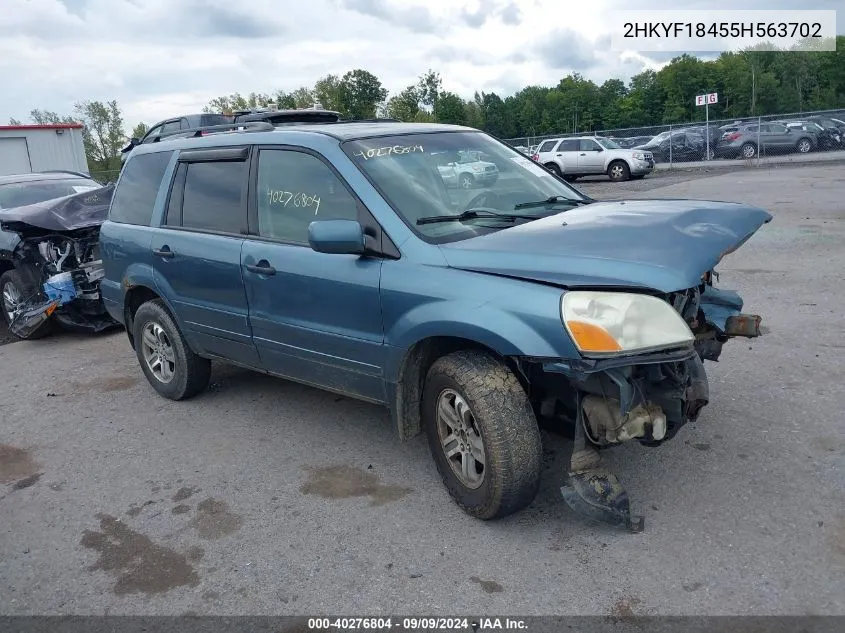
x: 81, y: 210
x: 664, y: 245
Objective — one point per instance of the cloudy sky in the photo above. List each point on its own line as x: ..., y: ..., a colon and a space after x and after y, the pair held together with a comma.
x: 160, y: 58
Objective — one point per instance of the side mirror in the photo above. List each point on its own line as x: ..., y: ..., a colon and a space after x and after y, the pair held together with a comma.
x: 338, y: 237
x: 134, y: 141
x: 599, y: 149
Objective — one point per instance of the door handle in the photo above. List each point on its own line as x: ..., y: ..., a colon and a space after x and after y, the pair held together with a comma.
x: 261, y: 268
x: 558, y: 154
x: 583, y: 154
x: 164, y: 251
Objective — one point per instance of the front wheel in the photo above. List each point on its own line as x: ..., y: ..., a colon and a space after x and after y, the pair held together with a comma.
x: 466, y: 181
x: 482, y: 433
x: 804, y: 145
x: 170, y: 365
x: 618, y: 171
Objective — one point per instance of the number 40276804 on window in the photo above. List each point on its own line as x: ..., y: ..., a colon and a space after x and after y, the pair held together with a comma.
x: 435, y: 271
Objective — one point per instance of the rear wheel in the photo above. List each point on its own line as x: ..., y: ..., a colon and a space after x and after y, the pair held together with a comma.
x: 169, y: 364
x: 618, y: 171
x: 748, y: 150
x: 14, y: 290
x: 482, y: 433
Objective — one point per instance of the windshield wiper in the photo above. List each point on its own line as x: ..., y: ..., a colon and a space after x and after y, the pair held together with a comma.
x: 551, y: 200
x: 471, y: 214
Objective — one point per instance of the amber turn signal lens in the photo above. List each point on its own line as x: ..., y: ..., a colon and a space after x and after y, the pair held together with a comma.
x: 592, y: 338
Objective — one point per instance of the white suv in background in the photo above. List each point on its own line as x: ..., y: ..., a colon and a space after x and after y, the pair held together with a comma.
x: 593, y: 155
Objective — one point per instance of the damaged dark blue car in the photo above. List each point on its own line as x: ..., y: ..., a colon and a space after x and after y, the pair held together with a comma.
x: 335, y: 255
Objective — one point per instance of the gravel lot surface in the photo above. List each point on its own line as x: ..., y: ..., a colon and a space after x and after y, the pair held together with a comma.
x: 264, y: 497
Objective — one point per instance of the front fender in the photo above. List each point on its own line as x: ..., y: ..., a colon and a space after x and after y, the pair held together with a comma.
x: 504, y: 332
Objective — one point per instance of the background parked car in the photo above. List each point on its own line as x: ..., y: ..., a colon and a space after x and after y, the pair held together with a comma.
x: 184, y: 123
x: 466, y: 169
x: 822, y: 138
x: 631, y: 141
x: 837, y: 126
x: 572, y: 158
x: 682, y: 144
x: 773, y: 138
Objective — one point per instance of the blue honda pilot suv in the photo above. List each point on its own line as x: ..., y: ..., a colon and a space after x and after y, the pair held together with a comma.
x: 334, y: 255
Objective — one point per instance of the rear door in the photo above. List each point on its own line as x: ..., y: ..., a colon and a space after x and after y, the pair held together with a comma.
x: 316, y: 317
x: 567, y: 155
x: 590, y: 157
x: 196, y: 252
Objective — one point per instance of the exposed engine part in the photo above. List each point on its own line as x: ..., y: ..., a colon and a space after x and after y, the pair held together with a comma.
x: 592, y: 490
x: 605, y: 423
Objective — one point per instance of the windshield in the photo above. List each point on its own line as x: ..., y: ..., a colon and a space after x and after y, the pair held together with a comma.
x: 447, y: 173
x: 19, y: 194
x: 607, y: 143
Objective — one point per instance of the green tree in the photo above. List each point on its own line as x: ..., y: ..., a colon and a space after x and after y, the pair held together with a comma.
x: 404, y: 106
x: 429, y: 87
x: 45, y: 117
x: 102, y: 135
x: 361, y: 93
x: 328, y: 93
x: 139, y: 130
x: 451, y: 109
x: 14, y: 121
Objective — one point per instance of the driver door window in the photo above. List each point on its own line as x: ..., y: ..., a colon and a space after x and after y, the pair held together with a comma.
x: 295, y: 189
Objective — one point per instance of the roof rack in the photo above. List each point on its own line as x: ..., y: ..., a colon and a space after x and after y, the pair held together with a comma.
x: 246, y: 126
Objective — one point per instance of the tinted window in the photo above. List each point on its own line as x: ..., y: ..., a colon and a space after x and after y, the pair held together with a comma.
x: 588, y: 145
x: 214, y: 119
x: 137, y: 188
x: 173, y: 217
x: 172, y: 126
x: 152, y: 134
x: 212, y: 199
x: 547, y: 146
x: 569, y: 145
x: 295, y: 189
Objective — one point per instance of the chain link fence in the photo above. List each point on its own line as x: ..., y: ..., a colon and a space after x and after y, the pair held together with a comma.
x: 777, y: 138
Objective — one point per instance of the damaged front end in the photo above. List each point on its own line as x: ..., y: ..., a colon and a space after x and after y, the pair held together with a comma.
x: 56, y: 263
x: 645, y: 397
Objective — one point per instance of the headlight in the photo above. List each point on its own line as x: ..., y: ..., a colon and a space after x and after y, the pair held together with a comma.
x: 617, y: 323
x: 639, y: 156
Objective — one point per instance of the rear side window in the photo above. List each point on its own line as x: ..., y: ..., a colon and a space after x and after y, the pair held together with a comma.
x: 546, y: 146
x: 213, y: 196
x: 137, y: 189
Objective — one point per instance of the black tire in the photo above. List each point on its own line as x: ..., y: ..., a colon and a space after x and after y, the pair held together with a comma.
x: 618, y: 171
x: 570, y: 178
x: 24, y: 290
x: 748, y: 150
x: 504, y: 420
x: 804, y: 145
x: 555, y: 169
x: 190, y: 372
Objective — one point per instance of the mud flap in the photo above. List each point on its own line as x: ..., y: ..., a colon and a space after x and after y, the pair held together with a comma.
x: 593, y: 491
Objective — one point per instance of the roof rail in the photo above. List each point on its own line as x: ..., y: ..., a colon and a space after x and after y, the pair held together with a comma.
x: 66, y: 171
x: 247, y: 126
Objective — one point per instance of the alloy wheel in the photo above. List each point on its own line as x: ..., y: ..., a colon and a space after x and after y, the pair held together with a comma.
x: 460, y: 439
x: 158, y: 352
